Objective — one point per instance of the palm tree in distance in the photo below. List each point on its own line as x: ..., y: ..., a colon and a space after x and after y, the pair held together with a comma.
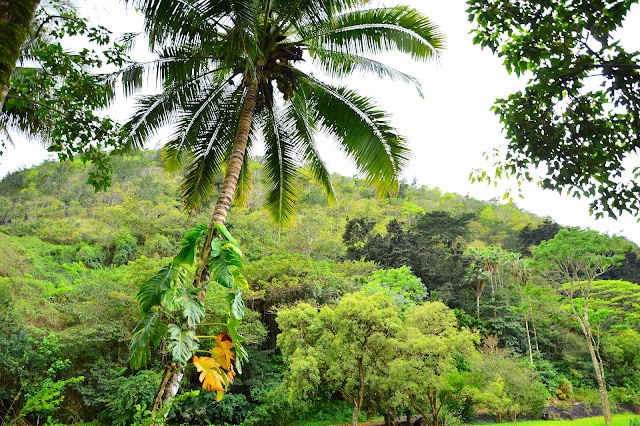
x: 231, y: 77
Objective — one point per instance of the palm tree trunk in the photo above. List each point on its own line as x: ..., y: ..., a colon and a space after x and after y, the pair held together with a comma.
x: 15, y: 19
x: 173, y: 374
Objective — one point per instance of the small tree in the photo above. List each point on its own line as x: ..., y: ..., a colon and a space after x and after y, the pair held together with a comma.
x: 405, y: 288
x: 508, y: 386
x: 432, y: 350
x: 573, y: 259
x: 337, y: 347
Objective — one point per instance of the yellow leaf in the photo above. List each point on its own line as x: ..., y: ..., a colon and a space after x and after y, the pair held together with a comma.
x: 211, y: 375
x: 222, y: 352
x: 231, y: 374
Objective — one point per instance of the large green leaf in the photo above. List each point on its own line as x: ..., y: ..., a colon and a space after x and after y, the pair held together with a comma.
x: 231, y: 254
x: 182, y: 343
x: 225, y: 232
x: 221, y: 272
x: 149, y: 331
x: 238, y: 340
x: 190, y: 243
x: 193, y: 308
x: 236, y: 304
x: 151, y: 291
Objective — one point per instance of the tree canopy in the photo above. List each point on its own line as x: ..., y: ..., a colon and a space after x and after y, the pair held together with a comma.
x: 577, y: 122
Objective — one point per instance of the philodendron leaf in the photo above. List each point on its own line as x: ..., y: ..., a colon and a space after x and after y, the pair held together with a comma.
x: 192, y: 239
x: 224, y: 231
x: 193, y: 308
x: 231, y: 255
x: 211, y: 375
x: 171, y: 298
x: 241, y: 352
x: 221, y: 272
x: 222, y: 351
x: 151, y: 291
x: 240, y: 280
x: 149, y: 331
x: 236, y: 304
x: 182, y: 343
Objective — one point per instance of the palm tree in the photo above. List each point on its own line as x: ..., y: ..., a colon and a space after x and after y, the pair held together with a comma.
x: 236, y: 72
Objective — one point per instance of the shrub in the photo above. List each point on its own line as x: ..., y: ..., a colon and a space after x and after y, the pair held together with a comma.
x: 127, y: 392
x: 565, y: 389
x: 90, y: 256
x: 158, y: 246
x: 125, y: 246
x: 203, y: 409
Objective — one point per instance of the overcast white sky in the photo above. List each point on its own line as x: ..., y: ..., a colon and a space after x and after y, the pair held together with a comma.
x: 449, y: 130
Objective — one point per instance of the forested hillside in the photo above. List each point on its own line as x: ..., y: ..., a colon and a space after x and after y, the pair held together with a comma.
x: 479, y: 291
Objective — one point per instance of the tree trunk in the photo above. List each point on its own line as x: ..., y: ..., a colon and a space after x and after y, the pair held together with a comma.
x: 356, y: 414
x: 479, y: 289
x: 15, y: 19
x: 408, y: 414
x: 174, y: 373
x: 418, y: 409
x: 526, y: 326
x: 533, y: 323
x: 387, y: 419
x: 4, y: 91
x: 583, y: 320
x: 602, y: 384
x: 358, y: 403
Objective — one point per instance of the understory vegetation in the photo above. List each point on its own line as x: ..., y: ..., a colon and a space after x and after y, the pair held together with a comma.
x: 425, y: 303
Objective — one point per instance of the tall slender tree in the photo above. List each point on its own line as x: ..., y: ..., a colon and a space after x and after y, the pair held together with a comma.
x: 575, y: 258
x: 231, y: 77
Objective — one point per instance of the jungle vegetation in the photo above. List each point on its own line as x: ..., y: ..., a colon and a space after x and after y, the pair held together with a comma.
x: 456, y: 286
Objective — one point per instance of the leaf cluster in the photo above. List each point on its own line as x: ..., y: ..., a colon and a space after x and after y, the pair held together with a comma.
x: 576, y: 123
x: 56, y: 93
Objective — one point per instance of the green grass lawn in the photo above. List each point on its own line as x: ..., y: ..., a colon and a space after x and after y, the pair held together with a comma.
x: 618, y: 420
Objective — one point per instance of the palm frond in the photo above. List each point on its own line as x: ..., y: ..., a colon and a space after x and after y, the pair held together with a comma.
x: 306, y: 128
x: 341, y: 65
x: 280, y: 165
x: 174, y: 65
x: 170, y: 21
x: 245, y: 180
x: 152, y: 112
x: 362, y: 131
x: 20, y: 117
x: 209, y: 149
x: 175, y: 22
x: 378, y: 31
x: 313, y: 12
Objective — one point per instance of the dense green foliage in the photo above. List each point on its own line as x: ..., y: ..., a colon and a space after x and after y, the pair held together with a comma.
x: 578, y: 119
x: 73, y: 261
x: 56, y: 92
